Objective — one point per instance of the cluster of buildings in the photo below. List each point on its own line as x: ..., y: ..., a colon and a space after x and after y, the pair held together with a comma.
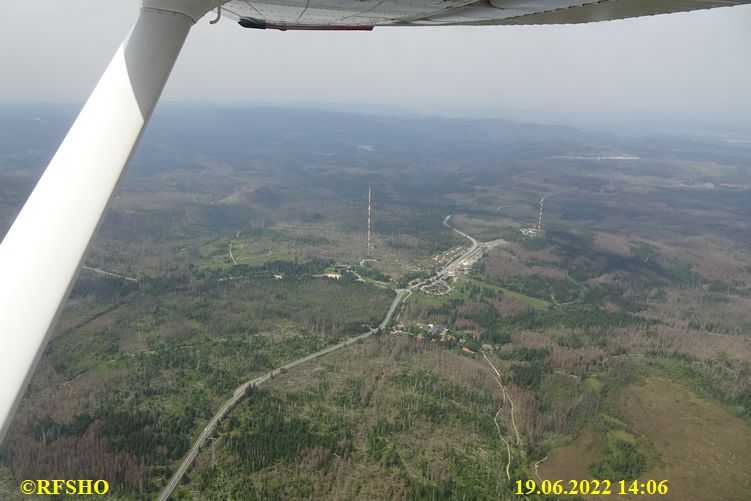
x: 430, y: 333
x: 447, y: 256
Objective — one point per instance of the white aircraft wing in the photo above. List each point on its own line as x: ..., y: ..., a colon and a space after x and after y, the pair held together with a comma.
x: 41, y: 255
x: 298, y: 14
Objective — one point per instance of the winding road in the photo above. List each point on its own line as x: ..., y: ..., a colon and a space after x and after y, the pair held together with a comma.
x: 475, y: 243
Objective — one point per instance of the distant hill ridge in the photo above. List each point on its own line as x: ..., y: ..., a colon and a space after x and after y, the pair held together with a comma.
x: 42, y: 127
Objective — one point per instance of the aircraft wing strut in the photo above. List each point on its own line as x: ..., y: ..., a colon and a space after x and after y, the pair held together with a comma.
x: 42, y: 254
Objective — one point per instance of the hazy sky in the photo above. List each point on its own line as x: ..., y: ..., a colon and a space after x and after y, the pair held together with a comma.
x: 693, y: 63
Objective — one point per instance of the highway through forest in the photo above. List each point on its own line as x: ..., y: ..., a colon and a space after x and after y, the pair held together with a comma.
x: 241, y: 390
x: 110, y: 274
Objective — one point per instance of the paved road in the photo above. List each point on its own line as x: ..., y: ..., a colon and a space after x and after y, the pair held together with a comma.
x: 475, y: 243
x: 230, y: 252
x: 240, y: 393
x: 110, y: 273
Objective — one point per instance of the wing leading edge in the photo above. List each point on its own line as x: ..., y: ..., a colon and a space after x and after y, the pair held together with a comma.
x: 350, y: 13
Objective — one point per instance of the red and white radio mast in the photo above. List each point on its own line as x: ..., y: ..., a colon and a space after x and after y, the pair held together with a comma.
x: 370, y: 227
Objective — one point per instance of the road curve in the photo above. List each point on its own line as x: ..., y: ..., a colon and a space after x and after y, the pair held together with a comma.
x: 475, y: 243
x: 240, y: 393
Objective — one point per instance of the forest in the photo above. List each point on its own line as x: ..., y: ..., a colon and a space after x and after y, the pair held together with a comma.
x: 200, y: 335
